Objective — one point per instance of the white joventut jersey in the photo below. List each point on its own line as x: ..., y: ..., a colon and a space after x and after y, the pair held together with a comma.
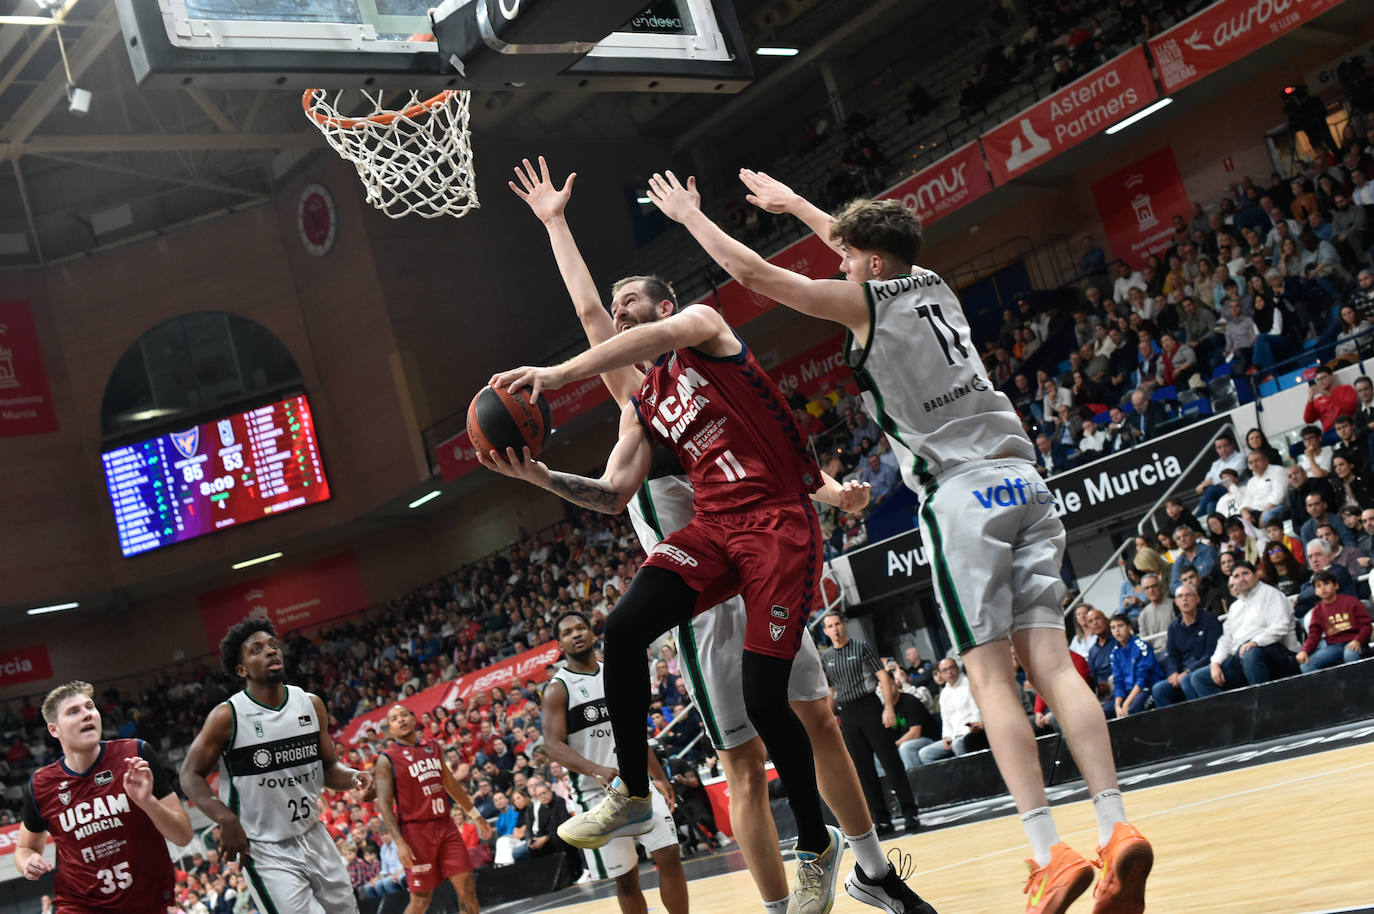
x: 270, y: 773
x: 925, y: 384
x: 589, y: 727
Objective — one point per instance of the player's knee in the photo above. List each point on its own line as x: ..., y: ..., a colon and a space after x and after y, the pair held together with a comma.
x: 627, y: 883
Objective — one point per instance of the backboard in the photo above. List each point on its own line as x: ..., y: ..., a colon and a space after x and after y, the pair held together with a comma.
x: 670, y: 46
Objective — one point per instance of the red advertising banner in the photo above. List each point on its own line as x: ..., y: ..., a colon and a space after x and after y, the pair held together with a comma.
x: 951, y: 183
x: 27, y: 664
x: 9, y: 838
x: 819, y: 368
x: 1082, y: 109
x: 293, y: 599
x: 810, y: 257
x: 718, y: 792
x: 1225, y: 32
x: 1137, y: 204
x: 26, y: 406
x: 512, y: 671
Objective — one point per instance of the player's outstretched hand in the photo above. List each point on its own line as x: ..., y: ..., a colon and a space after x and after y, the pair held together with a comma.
x: 854, y: 496
x: 138, y: 781
x: 675, y: 201
x: 233, y: 843
x: 538, y: 190
x: 537, y: 379
x: 36, y: 867
x: 516, y: 466
x: 364, y: 787
x: 767, y: 193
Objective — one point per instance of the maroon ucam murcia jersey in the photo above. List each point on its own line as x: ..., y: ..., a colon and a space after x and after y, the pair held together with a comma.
x: 731, y: 427
x: 419, y: 777
x: 110, y: 855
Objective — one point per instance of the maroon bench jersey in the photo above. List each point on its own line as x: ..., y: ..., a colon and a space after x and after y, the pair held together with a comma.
x: 419, y: 776
x: 110, y: 855
x: 730, y: 426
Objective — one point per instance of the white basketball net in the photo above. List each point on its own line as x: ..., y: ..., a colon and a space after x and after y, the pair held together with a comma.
x: 415, y: 157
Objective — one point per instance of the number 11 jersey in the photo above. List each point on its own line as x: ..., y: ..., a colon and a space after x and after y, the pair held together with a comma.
x: 925, y: 384
x: 271, y: 773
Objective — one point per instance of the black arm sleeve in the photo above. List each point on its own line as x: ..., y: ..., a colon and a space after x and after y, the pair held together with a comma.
x: 162, y: 785
x: 33, y: 819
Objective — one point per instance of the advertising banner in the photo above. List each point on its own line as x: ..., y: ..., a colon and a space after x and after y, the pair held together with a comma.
x: 1082, y: 109
x: 298, y: 598
x: 818, y: 368
x: 26, y: 406
x: 1137, y: 205
x: 1120, y: 485
x: 513, y: 671
x: 950, y: 184
x: 1223, y: 33
x: 26, y: 664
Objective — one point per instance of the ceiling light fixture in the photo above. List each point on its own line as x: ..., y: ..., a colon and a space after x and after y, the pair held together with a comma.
x: 777, y: 52
x: 56, y: 607
x: 239, y: 566
x: 424, y: 499
x: 1139, y: 115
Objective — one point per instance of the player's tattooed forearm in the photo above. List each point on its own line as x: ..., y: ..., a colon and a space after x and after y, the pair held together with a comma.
x: 589, y: 493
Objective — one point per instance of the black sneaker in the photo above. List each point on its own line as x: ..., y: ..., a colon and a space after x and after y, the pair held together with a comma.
x: 884, y: 829
x: 911, y: 822
x: 891, y: 893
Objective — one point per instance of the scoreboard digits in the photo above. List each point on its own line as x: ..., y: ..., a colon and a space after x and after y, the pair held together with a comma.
x: 215, y: 475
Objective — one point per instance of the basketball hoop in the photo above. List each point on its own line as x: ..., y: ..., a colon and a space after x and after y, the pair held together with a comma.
x: 413, y: 158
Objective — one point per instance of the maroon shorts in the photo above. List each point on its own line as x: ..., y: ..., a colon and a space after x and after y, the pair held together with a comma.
x: 771, y: 554
x: 439, y: 853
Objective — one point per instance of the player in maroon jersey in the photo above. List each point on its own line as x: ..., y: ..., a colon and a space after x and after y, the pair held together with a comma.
x: 753, y: 532
x: 108, y: 806
x: 414, y: 788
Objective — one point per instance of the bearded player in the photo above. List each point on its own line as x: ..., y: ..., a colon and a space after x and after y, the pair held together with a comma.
x: 710, y: 643
x: 108, y: 806
x: 271, y: 744
x: 414, y: 791
x: 995, y: 561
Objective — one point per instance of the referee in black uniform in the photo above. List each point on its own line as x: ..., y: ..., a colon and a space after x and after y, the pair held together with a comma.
x: 855, y: 674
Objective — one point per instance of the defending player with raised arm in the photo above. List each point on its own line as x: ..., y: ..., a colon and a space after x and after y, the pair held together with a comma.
x: 574, y: 718
x: 272, y: 747
x: 414, y: 790
x: 711, y: 642
x: 995, y: 562
x: 108, y: 806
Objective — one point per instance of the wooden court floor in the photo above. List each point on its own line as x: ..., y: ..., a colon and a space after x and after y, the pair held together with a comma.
x: 1286, y: 837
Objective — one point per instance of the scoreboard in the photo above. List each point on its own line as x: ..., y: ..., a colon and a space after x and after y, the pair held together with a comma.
x: 215, y: 475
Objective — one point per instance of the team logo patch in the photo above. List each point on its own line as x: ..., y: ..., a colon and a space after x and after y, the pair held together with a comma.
x: 104, y: 777
x: 305, y: 720
x: 780, y: 612
x: 188, y: 442
x: 262, y: 758
x: 257, y: 728
x: 65, y: 796
x: 776, y: 630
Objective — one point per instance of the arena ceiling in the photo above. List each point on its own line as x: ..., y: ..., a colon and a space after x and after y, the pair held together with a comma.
x: 143, y: 161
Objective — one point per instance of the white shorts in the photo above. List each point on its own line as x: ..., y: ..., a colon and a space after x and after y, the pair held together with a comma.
x: 618, y: 856
x: 710, y: 650
x: 996, y: 547
x: 301, y: 875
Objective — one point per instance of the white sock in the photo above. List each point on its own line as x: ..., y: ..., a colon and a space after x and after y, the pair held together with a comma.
x: 1039, y: 826
x: 868, y: 853
x: 773, y: 907
x: 1110, y: 809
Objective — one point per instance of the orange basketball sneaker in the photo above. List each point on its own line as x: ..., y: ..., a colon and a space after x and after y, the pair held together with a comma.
x: 1053, y: 888
x: 1124, y: 862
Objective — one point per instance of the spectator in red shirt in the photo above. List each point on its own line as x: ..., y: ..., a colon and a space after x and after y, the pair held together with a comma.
x: 1339, y: 618
x: 1327, y: 399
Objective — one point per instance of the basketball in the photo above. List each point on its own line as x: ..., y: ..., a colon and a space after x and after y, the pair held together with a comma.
x: 498, y: 419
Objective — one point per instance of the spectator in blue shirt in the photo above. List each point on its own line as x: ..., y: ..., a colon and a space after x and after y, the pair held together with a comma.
x: 1191, y: 640
x: 860, y: 428
x: 1099, y: 650
x: 1318, y: 515
x: 506, y: 815
x: 1193, y: 553
x: 1134, y: 670
x: 392, y: 878
x: 883, y: 478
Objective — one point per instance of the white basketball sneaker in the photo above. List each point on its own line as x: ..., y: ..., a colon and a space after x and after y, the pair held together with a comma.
x: 817, y: 875
x: 618, y: 815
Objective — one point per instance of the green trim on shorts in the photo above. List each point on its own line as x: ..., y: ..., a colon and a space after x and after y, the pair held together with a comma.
x: 261, y: 887
x: 690, y: 654
x: 944, y: 580
x: 646, y: 505
x: 601, y: 864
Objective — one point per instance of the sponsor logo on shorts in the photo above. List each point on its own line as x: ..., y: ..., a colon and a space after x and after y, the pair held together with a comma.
x: 422, y: 868
x: 734, y: 730
x: 776, y: 630
x: 1013, y: 492
x: 780, y: 612
x: 104, y: 777
x: 676, y: 554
